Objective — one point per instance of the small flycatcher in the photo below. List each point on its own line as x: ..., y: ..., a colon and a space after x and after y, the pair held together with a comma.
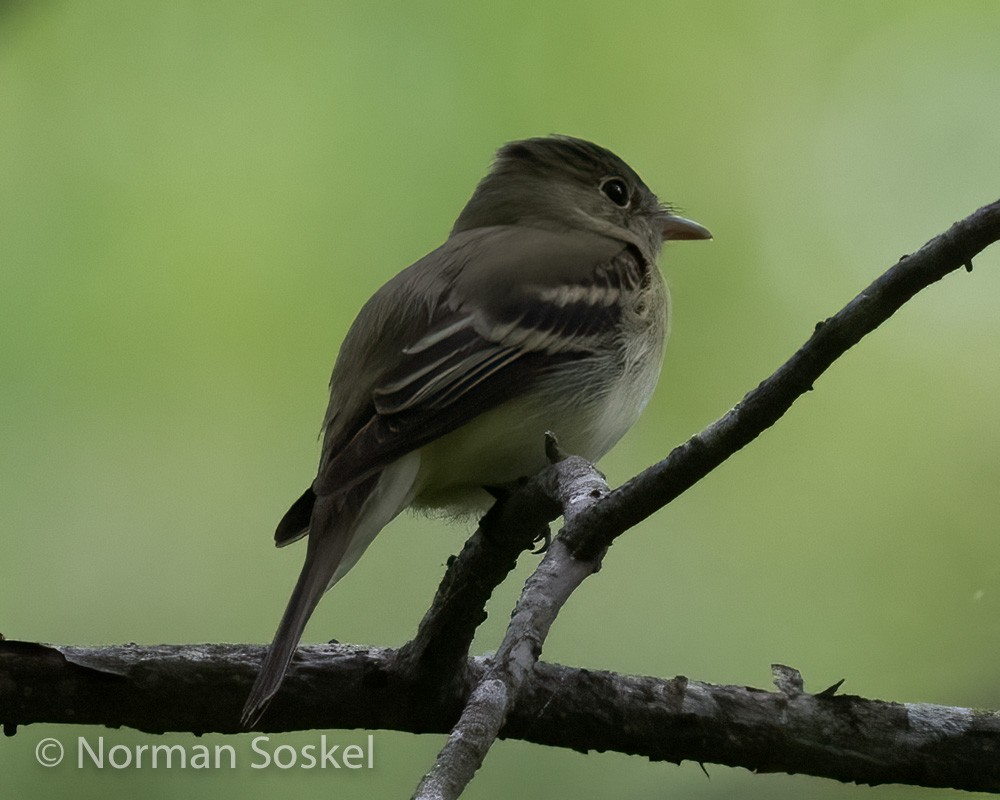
x: 543, y: 311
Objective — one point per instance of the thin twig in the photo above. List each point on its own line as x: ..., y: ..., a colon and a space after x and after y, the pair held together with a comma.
x: 687, y: 464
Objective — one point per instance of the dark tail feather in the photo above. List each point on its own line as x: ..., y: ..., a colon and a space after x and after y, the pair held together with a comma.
x: 321, y: 562
x: 295, y: 524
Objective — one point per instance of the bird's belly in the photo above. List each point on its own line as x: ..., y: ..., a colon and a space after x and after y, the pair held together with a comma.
x: 508, y: 442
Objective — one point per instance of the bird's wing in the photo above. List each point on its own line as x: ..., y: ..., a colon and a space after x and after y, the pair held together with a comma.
x: 509, y: 304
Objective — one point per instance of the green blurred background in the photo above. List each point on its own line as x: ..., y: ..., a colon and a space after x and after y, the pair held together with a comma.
x: 196, y: 199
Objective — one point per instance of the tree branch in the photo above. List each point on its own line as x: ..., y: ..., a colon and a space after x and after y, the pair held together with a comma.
x: 578, y: 485
x: 687, y: 464
x: 441, y: 645
x: 346, y: 686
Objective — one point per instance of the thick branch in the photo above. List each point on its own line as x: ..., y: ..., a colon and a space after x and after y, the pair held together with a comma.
x: 835, y: 736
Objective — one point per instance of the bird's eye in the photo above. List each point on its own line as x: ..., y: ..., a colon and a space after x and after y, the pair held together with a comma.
x: 616, y: 190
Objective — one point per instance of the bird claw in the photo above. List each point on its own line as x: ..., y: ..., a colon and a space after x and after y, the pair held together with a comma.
x: 546, y: 539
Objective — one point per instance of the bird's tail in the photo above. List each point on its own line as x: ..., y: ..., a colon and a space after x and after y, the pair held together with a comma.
x: 340, y: 528
x: 323, y: 556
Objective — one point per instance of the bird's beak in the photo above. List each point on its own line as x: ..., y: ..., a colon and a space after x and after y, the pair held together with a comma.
x: 681, y: 228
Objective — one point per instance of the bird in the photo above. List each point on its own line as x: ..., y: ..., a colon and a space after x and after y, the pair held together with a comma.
x: 544, y: 310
